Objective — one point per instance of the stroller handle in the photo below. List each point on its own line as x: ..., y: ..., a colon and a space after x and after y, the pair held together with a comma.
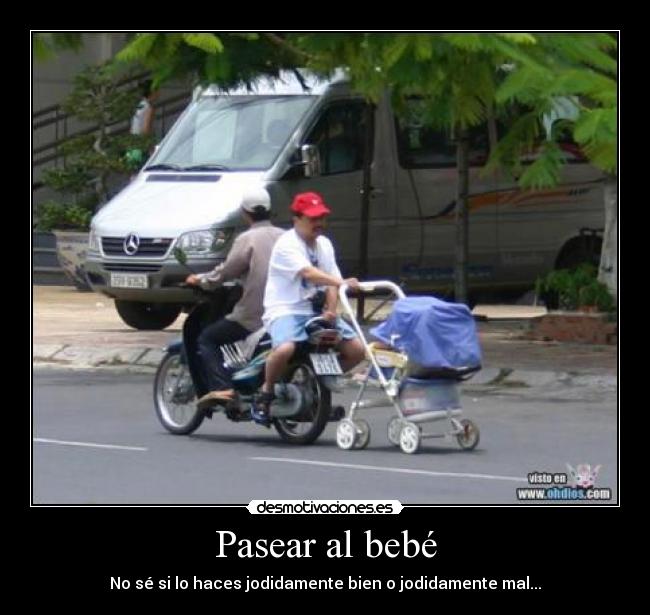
x: 367, y: 287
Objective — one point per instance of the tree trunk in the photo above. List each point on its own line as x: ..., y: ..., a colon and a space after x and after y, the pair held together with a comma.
x: 365, y: 203
x: 608, y: 270
x: 462, y: 218
x: 102, y: 178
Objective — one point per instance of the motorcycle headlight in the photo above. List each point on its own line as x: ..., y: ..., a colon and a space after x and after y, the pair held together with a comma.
x: 93, y: 241
x: 204, y: 243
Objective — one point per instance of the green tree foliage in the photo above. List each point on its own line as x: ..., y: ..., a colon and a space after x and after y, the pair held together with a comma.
x: 230, y: 59
x: 577, y: 72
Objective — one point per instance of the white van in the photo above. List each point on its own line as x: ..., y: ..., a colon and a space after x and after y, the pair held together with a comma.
x: 187, y: 196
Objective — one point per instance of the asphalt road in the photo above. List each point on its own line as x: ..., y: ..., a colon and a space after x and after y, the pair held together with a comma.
x: 97, y: 441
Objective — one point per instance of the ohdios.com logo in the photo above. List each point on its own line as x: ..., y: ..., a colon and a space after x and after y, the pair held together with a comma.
x: 577, y: 484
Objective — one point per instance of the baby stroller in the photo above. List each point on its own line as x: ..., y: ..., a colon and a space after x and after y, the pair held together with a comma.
x: 425, y: 348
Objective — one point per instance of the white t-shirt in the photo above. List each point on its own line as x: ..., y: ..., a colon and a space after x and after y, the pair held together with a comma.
x: 286, y: 291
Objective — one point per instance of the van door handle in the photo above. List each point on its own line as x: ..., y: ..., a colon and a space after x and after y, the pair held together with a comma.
x: 375, y: 192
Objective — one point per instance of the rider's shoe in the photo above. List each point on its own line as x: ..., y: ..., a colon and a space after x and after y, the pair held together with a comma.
x: 234, y: 412
x: 261, y: 408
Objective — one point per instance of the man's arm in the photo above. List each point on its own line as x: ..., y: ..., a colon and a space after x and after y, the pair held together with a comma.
x: 320, y: 278
x: 332, y: 297
x: 331, y: 303
x: 235, y: 265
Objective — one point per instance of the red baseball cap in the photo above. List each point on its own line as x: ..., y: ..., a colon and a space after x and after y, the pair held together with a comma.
x: 309, y: 204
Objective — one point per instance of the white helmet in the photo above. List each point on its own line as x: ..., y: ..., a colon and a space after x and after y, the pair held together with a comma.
x: 255, y: 197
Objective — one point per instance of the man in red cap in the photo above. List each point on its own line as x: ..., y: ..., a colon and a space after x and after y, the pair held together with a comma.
x: 302, y: 264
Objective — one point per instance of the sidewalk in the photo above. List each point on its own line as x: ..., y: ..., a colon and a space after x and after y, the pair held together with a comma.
x: 76, y: 329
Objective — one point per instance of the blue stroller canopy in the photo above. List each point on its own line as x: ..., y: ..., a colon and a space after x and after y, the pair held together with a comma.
x: 433, y: 333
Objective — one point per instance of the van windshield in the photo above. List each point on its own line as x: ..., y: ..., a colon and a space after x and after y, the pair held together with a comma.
x: 232, y: 133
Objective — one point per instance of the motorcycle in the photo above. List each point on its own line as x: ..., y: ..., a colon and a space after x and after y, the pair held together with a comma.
x: 303, y: 397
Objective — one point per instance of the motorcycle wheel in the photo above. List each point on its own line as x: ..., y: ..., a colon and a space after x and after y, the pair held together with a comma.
x: 314, y: 420
x: 175, y: 398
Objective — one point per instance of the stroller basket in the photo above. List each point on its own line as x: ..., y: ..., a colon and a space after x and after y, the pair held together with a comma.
x: 421, y: 396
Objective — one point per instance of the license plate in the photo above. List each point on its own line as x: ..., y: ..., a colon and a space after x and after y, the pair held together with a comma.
x: 326, y: 364
x: 129, y: 280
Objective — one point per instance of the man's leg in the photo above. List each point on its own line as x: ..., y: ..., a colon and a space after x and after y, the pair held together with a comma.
x: 284, y: 332
x: 276, y: 363
x: 221, y: 332
x: 352, y: 353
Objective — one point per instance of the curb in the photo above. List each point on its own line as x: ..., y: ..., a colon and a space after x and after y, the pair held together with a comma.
x: 147, y: 358
x: 87, y: 356
x: 509, y: 378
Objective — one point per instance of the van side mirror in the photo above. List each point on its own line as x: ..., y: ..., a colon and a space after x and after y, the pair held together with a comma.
x: 311, y: 160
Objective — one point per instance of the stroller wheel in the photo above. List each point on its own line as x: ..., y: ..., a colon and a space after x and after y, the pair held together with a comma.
x: 470, y: 436
x: 353, y: 434
x: 409, y: 438
x: 362, y: 433
x: 394, y: 429
x: 346, y: 434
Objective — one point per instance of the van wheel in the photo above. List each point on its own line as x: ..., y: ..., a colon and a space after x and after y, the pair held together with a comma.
x: 580, y: 250
x: 147, y: 316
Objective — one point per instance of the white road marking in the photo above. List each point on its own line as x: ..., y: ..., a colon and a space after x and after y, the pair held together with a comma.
x: 397, y: 470
x: 90, y: 444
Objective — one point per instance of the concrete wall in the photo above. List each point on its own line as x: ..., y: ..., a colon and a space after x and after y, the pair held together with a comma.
x: 52, y: 79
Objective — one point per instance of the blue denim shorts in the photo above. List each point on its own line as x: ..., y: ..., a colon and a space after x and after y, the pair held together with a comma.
x: 291, y: 328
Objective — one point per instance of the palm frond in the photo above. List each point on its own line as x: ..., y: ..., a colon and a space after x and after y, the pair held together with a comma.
x: 519, y: 139
x: 582, y: 48
x: 205, y: 41
x: 465, y: 42
x: 523, y: 85
x: 596, y: 125
x: 519, y: 38
x: 545, y: 171
x: 138, y: 48
x: 423, y: 47
x: 602, y: 155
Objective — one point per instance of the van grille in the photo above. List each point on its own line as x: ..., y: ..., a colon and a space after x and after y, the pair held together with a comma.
x: 132, y: 267
x: 114, y: 246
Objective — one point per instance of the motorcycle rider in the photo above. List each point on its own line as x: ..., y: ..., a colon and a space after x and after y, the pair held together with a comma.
x: 302, y: 260
x: 248, y: 259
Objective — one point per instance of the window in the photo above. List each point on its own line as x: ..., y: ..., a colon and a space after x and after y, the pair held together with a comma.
x: 238, y: 132
x: 339, y: 135
x: 423, y: 147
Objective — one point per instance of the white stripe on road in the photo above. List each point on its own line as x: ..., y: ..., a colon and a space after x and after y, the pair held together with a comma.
x: 90, y: 444
x: 398, y: 470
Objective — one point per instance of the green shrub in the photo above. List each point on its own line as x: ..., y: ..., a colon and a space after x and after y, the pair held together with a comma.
x: 63, y: 216
x: 575, y: 288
